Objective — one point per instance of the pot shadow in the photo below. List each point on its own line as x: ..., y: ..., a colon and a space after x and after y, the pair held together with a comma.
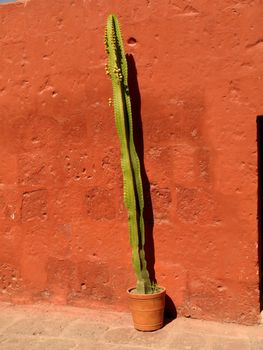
x: 170, y: 312
x: 260, y: 205
x: 170, y: 309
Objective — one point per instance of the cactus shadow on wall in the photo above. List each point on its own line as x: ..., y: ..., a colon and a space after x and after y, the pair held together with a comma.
x: 260, y: 204
x: 139, y: 145
x: 170, y: 309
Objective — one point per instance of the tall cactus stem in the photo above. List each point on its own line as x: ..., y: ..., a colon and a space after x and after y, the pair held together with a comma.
x: 117, y: 70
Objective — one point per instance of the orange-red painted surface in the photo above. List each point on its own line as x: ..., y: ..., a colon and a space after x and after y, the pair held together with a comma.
x: 64, y: 236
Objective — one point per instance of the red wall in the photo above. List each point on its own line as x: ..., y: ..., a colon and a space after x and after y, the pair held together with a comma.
x: 63, y: 225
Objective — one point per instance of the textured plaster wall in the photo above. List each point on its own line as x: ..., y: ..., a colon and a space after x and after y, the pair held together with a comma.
x: 62, y: 221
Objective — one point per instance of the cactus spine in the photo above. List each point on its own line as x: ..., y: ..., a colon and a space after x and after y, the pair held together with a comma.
x: 117, y: 70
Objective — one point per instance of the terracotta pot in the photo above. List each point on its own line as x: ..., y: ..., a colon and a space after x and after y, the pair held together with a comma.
x: 147, y: 310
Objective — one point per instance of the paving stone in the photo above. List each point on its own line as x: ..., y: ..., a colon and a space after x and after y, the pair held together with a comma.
x: 4, y: 305
x: 19, y: 344
x: 188, y: 341
x: 28, y: 343
x: 194, y: 326
x: 114, y: 318
x: 257, y: 344
x: 57, y: 344
x: 37, y: 326
x: 101, y: 346
x: 129, y: 336
x: 94, y: 346
x: 129, y: 347
x: 223, y: 343
x: 88, y: 330
x: 7, y: 320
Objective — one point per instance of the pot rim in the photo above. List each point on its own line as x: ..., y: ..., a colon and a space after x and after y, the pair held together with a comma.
x: 146, y: 296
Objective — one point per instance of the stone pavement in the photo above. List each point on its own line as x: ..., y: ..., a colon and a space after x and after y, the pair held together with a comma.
x: 68, y: 328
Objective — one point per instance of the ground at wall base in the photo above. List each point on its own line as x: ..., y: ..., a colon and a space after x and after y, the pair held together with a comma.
x: 42, y: 327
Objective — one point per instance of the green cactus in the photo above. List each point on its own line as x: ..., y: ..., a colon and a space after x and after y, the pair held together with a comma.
x: 117, y: 70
